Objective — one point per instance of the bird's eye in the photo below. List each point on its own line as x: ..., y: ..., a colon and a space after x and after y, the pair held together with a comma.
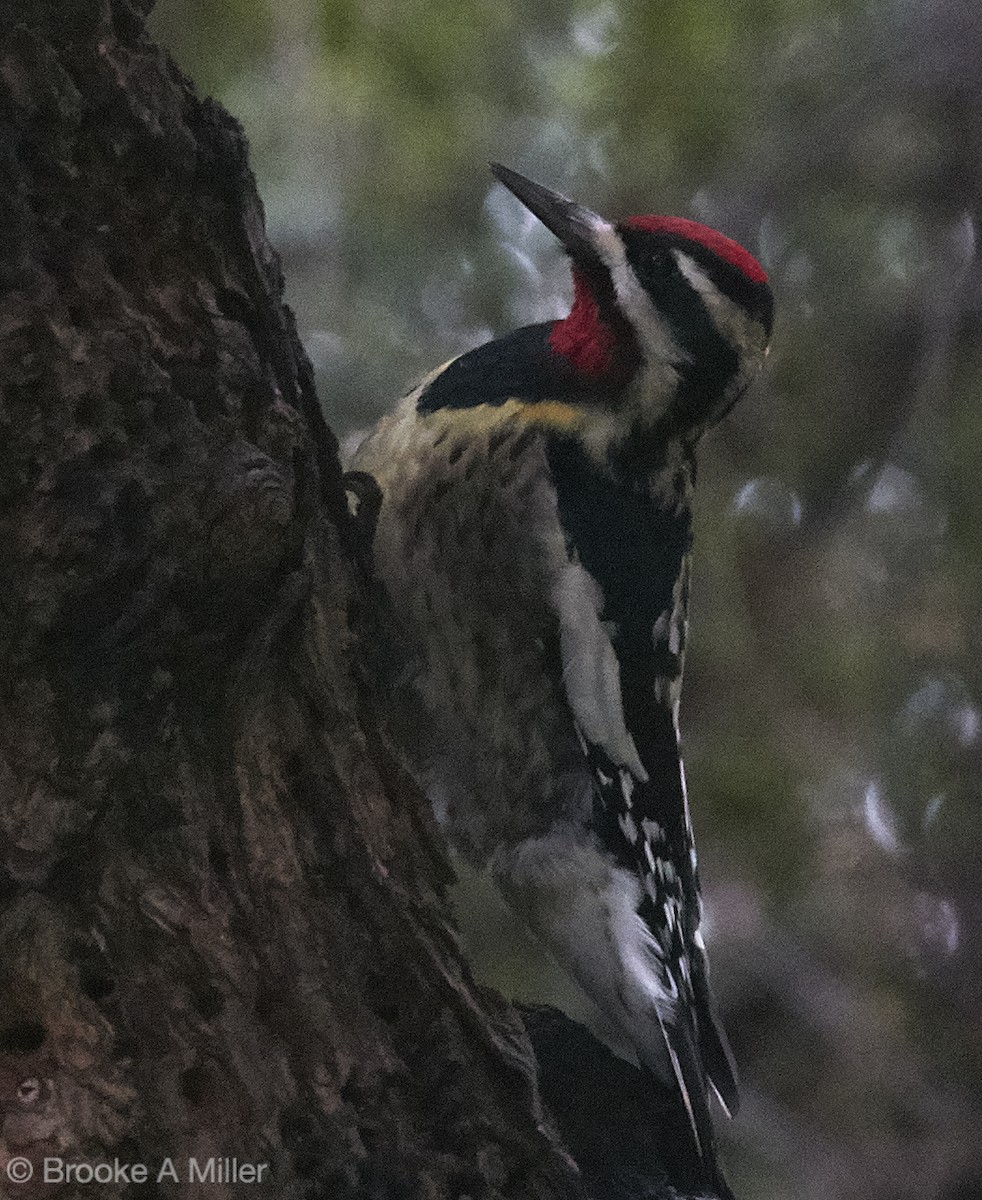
x: 654, y: 268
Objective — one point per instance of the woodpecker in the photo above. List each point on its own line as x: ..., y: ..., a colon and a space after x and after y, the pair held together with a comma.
x: 534, y: 538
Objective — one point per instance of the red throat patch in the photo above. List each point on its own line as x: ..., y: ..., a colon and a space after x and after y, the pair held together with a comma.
x: 582, y: 338
x: 722, y: 246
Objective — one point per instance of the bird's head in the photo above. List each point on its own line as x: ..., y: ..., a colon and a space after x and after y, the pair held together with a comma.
x: 670, y: 315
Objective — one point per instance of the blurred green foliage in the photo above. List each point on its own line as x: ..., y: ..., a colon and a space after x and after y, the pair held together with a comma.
x: 831, y: 712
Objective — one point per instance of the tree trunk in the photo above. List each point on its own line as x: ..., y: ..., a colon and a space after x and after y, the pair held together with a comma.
x: 222, y: 913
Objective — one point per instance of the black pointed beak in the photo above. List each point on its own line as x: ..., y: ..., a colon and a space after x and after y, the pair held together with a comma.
x: 576, y: 227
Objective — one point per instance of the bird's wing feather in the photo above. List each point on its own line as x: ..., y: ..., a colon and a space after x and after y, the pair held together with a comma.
x: 622, y: 609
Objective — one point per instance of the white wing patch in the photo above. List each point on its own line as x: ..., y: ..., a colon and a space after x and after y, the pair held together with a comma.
x: 591, y: 673
x: 671, y: 630
x: 628, y: 827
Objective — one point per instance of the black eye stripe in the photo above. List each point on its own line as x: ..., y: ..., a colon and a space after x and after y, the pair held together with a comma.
x: 754, y: 298
x: 712, y: 360
x: 662, y: 278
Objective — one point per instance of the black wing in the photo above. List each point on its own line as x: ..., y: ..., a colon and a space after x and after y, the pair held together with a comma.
x: 518, y: 364
x: 634, y: 541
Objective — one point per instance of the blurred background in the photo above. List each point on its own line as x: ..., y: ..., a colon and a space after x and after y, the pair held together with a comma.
x: 831, y: 715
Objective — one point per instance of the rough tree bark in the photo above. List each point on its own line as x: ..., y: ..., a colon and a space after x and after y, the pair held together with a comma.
x: 222, y: 916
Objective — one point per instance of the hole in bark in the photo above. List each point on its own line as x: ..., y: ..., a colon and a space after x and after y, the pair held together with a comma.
x: 129, y: 27
x: 218, y: 859
x: 106, y: 454
x: 964, y: 1187
x: 169, y: 408
x: 265, y: 1006
x: 131, y: 513
x: 77, y: 484
x: 209, y: 1002
x: 96, y: 984
x: 387, y: 1010
x: 89, y: 410
x: 199, y: 386
x: 72, y: 877
x: 301, y: 1138
x: 466, y: 1183
x: 196, y: 1085
x: 384, y: 998
x: 235, y: 307
x: 128, y: 1047
x: 23, y: 1037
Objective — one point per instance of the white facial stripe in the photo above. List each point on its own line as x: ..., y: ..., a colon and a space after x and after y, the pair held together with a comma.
x: 601, y: 229
x: 650, y: 327
x: 658, y: 379
x: 696, y: 276
x: 729, y: 318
